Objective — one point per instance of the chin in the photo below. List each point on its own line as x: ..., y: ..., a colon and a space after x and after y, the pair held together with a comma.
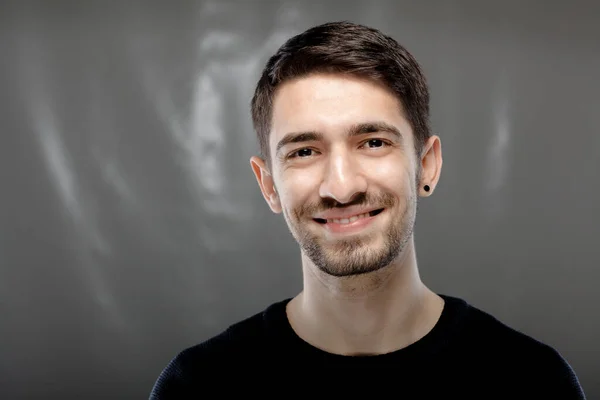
x: 342, y: 272
x: 352, y: 260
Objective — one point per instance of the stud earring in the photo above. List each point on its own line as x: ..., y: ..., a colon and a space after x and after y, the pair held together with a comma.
x: 427, y: 188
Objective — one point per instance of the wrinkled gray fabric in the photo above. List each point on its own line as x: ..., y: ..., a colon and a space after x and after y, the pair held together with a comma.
x: 131, y: 224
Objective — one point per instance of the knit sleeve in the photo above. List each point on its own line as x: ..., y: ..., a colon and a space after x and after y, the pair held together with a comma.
x: 174, y: 382
x: 563, y: 382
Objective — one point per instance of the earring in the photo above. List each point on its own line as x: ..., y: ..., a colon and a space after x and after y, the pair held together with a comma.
x: 426, y: 187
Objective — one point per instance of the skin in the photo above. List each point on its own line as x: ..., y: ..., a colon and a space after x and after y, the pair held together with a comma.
x: 362, y: 293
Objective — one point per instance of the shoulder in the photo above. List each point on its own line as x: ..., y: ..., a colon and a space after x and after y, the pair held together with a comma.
x: 483, y: 329
x: 238, y: 346
x: 227, y: 343
x: 517, y: 354
x: 237, y: 349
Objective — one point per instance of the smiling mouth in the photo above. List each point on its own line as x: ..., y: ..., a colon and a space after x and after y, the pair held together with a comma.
x: 348, y: 220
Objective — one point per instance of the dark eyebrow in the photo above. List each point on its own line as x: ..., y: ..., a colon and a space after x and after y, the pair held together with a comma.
x: 373, y: 127
x: 298, y: 137
x: 355, y: 130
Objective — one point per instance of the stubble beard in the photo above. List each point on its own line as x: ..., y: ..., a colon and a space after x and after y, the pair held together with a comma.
x: 364, y: 253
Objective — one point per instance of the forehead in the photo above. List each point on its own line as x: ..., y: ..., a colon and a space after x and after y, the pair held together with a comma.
x: 330, y: 103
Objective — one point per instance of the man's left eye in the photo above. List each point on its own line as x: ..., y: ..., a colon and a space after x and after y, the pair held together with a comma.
x: 375, y: 143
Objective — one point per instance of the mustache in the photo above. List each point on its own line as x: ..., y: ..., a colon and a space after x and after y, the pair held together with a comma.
x: 369, y: 200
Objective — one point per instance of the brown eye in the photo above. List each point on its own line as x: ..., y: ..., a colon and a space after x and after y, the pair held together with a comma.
x: 375, y: 143
x: 302, y: 153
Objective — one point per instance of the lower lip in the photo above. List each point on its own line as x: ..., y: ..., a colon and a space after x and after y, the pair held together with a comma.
x: 351, y: 227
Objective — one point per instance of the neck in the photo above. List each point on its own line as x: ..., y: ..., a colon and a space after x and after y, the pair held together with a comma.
x: 373, y: 313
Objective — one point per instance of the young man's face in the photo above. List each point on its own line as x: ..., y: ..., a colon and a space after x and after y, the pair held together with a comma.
x: 343, y: 171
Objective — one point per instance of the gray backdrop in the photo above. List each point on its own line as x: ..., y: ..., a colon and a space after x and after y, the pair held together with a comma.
x: 131, y: 224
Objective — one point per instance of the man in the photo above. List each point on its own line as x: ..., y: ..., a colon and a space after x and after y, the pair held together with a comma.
x: 342, y: 117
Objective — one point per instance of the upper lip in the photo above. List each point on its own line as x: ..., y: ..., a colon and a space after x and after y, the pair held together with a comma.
x: 345, y: 212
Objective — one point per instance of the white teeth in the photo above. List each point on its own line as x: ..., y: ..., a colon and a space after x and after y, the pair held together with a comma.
x: 347, y: 220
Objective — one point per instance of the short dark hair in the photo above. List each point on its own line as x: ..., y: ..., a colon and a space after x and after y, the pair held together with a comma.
x: 345, y: 48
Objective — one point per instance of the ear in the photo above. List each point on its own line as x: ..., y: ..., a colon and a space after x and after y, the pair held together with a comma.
x: 266, y: 184
x: 431, y: 165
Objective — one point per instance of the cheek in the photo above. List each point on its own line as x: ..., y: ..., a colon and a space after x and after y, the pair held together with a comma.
x: 395, y: 174
x: 298, y: 187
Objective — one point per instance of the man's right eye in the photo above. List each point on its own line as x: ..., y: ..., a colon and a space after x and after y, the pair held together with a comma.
x: 302, y: 153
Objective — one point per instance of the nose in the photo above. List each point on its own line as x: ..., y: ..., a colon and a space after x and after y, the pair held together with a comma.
x: 343, y: 179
